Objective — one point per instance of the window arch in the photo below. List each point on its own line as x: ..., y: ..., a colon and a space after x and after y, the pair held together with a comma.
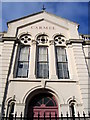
x: 42, y: 70
x: 25, y: 38
x: 10, y: 107
x: 59, y: 39
x: 72, y: 108
x: 42, y: 38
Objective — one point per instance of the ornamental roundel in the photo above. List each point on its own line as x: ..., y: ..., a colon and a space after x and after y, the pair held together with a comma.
x: 42, y: 38
x: 59, y: 39
x: 25, y: 38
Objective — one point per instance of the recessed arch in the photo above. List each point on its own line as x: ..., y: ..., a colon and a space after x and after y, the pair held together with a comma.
x: 24, y: 33
x: 8, y: 99
x: 41, y: 34
x: 40, y: 101
x: 51, y: 90
x: 42, y: 38
x: 10, y: 105
x: 70, y: 99
x: 59, y: 39
x: 58, y: 34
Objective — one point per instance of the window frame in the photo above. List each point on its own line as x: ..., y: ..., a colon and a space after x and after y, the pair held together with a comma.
x: 43, y: 62
x: 22, y: 61
x: 62, y: 63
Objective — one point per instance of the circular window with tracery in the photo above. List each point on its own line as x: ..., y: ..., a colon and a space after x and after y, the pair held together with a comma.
x: 43, y: 104
x: 59, y: 39
x: 43, y: 38
x: 25, y: 39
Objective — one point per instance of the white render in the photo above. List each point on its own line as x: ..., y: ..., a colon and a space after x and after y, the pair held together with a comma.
x: 64, y: 90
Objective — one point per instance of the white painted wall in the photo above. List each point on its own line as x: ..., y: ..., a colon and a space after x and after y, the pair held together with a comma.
x: 64, y: 89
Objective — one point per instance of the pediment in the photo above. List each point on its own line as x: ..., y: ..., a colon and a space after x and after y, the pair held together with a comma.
x: 42, y: 26
x: 42, y: 22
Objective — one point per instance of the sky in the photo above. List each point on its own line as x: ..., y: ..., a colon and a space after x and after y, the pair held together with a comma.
x: 74, y: 11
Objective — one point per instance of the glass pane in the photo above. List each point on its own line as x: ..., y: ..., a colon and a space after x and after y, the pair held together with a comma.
x: 24, y: 53
x: 63, y: 51
x: 60, y: 51
x: 42, y: 50
x: 50, y: 103
x: 60, y: 74
x: 64, y: 58
x: 42, y: 57
x: 59, y: 58
x: 43, y: 70
x: 23, y: 62
x: 24, y: 57
x: 65, y: 69
x: 60, y: 66
x: 22, y: 69
x: 24, y: 50
x: 45, y: 99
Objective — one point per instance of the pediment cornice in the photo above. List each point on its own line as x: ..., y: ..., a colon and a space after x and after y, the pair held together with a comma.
x: 40, y: 20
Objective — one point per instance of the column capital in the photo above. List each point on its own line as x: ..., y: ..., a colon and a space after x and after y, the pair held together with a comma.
x: 51, y: 42
x: 33, y: 41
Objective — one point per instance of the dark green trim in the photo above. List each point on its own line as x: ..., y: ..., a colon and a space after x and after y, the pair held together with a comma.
x: 70, y: 41
x: 9, y: 38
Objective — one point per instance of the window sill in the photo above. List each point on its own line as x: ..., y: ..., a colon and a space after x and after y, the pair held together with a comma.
x: 39, y: 80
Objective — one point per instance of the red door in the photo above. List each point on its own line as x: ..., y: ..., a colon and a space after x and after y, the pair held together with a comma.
x: 43, y: 105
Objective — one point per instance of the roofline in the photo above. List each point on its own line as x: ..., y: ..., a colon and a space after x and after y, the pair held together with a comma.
x: 40, y: 13
x: 25, y: 17
x: 63, y: 18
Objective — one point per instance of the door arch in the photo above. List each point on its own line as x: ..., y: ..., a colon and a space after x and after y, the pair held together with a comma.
x: 42, y: 104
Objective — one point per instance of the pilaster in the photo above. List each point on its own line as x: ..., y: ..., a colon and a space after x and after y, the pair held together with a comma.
x: 6, y: 63
x: 1, y: 95
x: 52, y: 61
x: 32, y: 60
x: 82, y: 72
x: 13, y: 62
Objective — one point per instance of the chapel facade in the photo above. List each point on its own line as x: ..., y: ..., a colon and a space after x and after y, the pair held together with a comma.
x: 44, y: 64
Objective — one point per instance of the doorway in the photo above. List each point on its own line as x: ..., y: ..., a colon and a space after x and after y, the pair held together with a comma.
x: 42, y: 105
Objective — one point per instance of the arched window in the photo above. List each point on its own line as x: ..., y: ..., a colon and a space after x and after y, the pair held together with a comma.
x: 12, y: 108
x: 25, y: 39
x: 42, y: 38
x: 42, y: 57
x: 23, y: 56
x: 61, y: 57
x: 62, y: 63
x: 42, y: 62
x: 72, y: 108
x: 23, y: 61
x: 59, y: 39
